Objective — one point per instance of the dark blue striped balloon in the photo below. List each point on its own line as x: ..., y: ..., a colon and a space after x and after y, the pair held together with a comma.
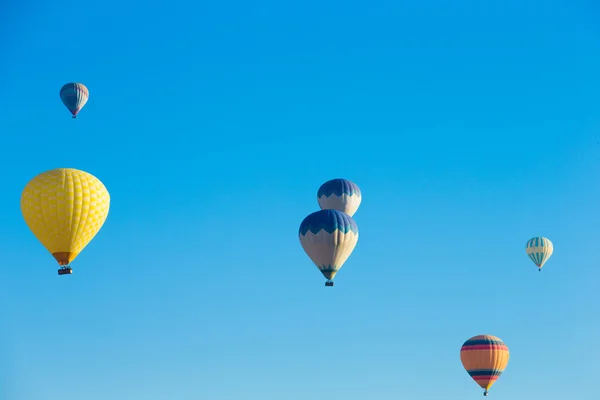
x: 328, y: 221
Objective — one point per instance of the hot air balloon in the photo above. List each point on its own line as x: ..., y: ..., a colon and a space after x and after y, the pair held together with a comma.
x: 328, y: 237
x: 74, y: 96
x: 65, y: 208
x: 339, y: 194
x: 484, y: 357
x: 539, y: 249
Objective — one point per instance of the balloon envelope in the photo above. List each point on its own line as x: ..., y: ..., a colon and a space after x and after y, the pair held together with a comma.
x: 484, y: 357
x: 339, y: 194
x: 74, y: 96
x: 539, y: 249
x: 328, y: 237
x: 65, y: 208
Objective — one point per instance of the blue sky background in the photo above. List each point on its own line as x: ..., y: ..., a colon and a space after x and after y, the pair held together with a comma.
x: 470, y: 128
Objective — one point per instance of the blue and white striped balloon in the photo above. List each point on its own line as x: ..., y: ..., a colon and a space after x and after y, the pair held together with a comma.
x: 328, y: 237
x: 74, y: 96
x: 341, y: 195
x: 539, y: 249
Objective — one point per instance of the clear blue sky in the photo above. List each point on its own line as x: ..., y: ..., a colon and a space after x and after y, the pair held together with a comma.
x: 469, y: 127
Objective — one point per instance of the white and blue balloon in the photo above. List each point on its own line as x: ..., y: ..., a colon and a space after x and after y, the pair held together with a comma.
x: 339, y: 194
x: 539, y: 249
x: 328, y: 237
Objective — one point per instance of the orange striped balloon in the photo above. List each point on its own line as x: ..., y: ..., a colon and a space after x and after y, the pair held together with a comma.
x: 484, y: 357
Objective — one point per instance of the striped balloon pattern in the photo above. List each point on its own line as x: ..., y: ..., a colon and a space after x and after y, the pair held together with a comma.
x: 74, y: 96
x: 484, y: 357
x: 341, y: 195
x: 539, y: 249
x: 328, y: 237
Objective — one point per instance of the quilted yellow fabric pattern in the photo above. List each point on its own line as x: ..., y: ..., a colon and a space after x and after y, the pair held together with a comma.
x: 65, y: 208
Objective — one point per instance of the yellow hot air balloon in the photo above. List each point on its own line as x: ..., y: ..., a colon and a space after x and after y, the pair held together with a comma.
x: 65, y: 208
x: 484, y: 357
